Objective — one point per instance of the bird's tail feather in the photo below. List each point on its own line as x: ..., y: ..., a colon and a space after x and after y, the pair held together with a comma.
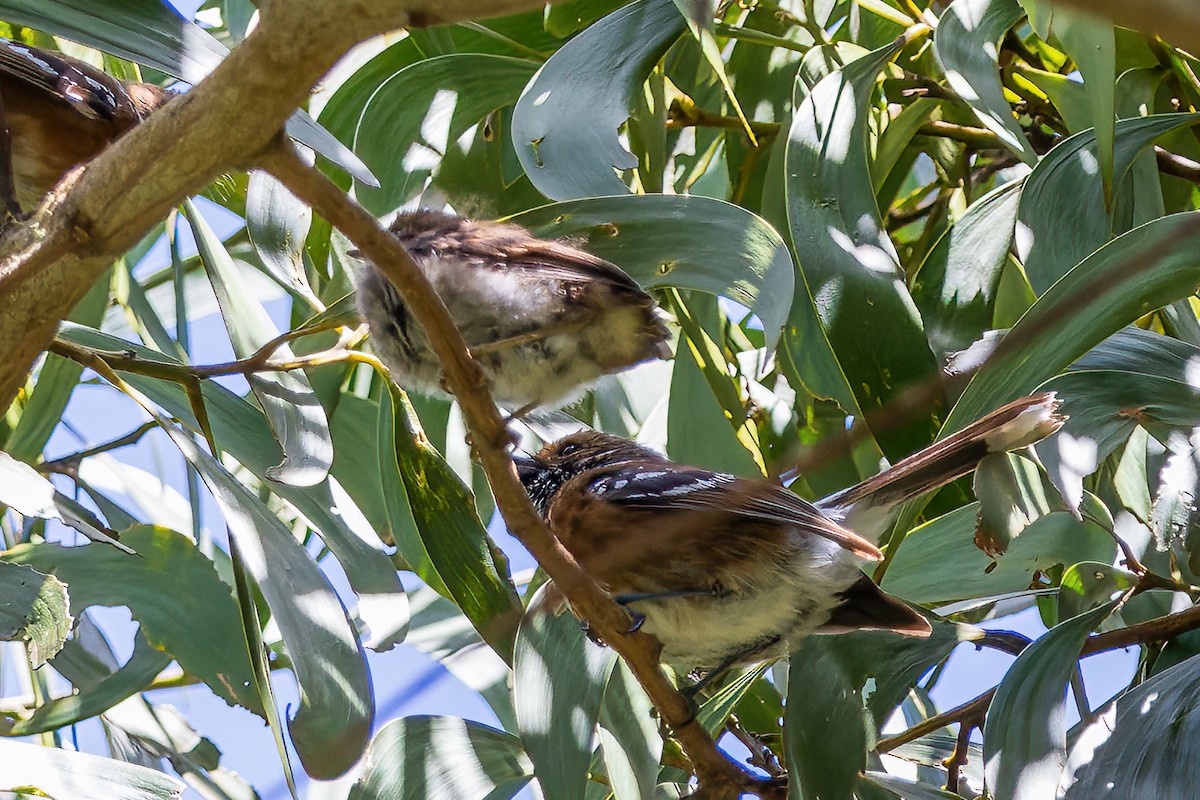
x: 1018, y: 424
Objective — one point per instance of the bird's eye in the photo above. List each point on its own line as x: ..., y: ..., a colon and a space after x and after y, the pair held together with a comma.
x: 568, y: 449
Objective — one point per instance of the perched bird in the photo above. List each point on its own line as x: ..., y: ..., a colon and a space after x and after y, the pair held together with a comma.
x: 725, y: 570
x: 62, y: 112
x: 543, y: 318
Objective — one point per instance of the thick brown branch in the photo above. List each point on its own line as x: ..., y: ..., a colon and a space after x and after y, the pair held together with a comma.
x: 719, y: 776
x: 227, y: 118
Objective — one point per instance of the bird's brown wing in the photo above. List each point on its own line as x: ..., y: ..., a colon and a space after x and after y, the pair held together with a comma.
x: 674, y: 489
x: 90, y: 91
x: 553, y: 259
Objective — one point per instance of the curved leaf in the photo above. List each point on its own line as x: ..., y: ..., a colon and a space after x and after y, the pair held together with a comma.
x: 629, y: 737
x: 955, y: 286
x: 1025, y: 733
x: 278, y: 223
x: 1144, y: 745
x: 202, y: 635
x: 966, y: 42
x: 441, y: 758
x: 848, y: 261
x: 1144, y: 269
x: 1090, y: 42
x: 964, y: 571
x: 565, y: 125
x: 291, y: 406
x: 242, y: 431
x: 33, y: 609
x: 670, y: 240
x: 59, y: 773
x: 1062, y: 217
x: 451, y: 548
x: 558, y: 683
x: 418, y: 115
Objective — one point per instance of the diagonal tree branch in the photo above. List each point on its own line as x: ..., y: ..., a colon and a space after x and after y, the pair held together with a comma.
x: 719, y: 776
x: 100, y: 211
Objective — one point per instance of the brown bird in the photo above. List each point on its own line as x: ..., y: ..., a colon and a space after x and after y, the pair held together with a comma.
x: 62, y: 112
x: 543, y: 318
x: 726, y: 570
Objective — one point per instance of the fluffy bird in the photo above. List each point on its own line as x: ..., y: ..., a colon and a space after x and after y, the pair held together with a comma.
x: 726, y: 570
x: 62, y: 112
x: 543, y: 318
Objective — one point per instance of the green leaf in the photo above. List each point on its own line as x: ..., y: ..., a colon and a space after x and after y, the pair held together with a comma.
x: 669, y: 240
x: 204, y: 635
x: 698, y: 430
x: 629, y: 736
x: 135, y: 675
x: 63, y: 774
x: 955, y: 286
x: 278, y: 224
x: 1011, y: 495
x: 939, y: 562
x: 565, y: 124
x: 441, y: 758
x: 242, y: 431
x: 840, y: 685
x: 151, y: 32
x: 717, y: 708
x: 848, y: 261
x: 1088, y: 584
x: 331, y: 727
x: 1025, y: 734
x: 292, y: 408
x: 967, y: 43
x: 31, y: 495
x: 452, y: 549
x: 906, y: 789
x: 417, y: 116
x: 699, y: 15
x: 55, y: 383
x: 1144, y: 269
x: 1144, y: 744
x: 1090, y: 43
x: 33, y: 610
x: 1062, y: 217
x: 558, y: 683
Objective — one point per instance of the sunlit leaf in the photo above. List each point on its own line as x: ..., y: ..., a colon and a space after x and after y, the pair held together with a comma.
x: 565, y: 124
x: 966, y: 44
x: 558, y: 684
x: 1025, y: 734
x: 202, y: 637
x: 441, y: 758
x: 848, y: 261
x: 668, y: 240
x: 33, y: 609
x: 59, y: 773
x: 629, y: 737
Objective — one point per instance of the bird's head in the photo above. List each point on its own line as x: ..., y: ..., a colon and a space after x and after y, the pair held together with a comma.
x: 558, y: 462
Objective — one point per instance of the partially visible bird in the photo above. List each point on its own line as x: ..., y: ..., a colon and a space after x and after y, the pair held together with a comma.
x: 725, y: 570
x: 62, y: 112
x: 543, y: 318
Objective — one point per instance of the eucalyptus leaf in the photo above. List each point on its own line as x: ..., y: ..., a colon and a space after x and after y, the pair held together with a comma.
x: 565, y: 123
x: 287, y: 398
x: 685, y: 242
x: 33, y: 610
x: 629, y: 737
x: 966, y: 43
x: 1025, y: 733
x: 441, y: 758
x: 59, y: 773
x: 558, y: 685
x: 849, y: 263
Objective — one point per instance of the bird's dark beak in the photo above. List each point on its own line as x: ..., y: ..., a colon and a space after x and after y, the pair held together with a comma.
x: 528, y: 469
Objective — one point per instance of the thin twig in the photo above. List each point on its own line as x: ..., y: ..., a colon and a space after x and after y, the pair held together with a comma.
x: 962, y: 748
x: 761, y: 756
x: 69, y: 464
x: 719, y: 776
